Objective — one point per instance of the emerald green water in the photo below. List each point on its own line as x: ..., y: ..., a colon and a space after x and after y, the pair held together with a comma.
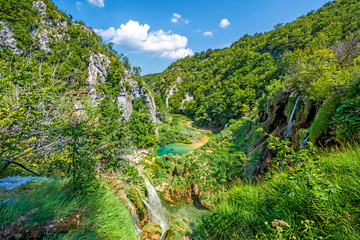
x: 175, y: 149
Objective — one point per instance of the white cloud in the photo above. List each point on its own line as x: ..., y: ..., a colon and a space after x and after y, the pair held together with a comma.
x: 97, y: 3
x: 78, y: 5
x: 224, y: 23
x: 176, y: 17
x: 136, y: 37
x: 208, y: 33
x: 177, y: 54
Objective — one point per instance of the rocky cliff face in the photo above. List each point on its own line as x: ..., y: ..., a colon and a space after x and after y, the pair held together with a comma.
x: 49, y: 30
x: 7, y: 39
x: 98, y: 63
x: 171, y: 90
x: 125, y: 99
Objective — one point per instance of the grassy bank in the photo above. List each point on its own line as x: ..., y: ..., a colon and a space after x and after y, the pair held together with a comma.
x: 51, y: 205
x: 320, y: 202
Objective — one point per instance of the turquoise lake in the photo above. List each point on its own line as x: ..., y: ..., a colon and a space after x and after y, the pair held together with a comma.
x: 175, y: 149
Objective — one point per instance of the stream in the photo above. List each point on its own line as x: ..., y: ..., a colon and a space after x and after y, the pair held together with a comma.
x: 159, y: 211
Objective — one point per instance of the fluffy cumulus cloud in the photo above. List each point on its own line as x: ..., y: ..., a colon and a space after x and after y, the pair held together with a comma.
x: 136, y: 37
x: 208, y: 33
x: 224, y: 23
x: 177, y: 17
x: 97, y: 3
x: 176, y: 54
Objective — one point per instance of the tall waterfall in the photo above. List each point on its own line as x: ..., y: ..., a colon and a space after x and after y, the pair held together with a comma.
x: 156, y: 209
x: 291, y: 119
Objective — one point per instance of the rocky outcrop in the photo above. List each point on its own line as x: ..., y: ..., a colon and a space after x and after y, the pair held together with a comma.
x: 7, y: 39
x: 40, y: 6
x: 171, y: 90
x: 125, y: 104
x: 125, y: 99
x: 188, y: 98
x: 49, y: 30
x: 98, y: 63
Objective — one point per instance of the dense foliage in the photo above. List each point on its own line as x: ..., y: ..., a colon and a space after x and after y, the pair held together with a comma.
x: 317, y: 54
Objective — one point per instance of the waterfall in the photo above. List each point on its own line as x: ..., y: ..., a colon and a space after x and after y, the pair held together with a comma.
x: 156, y: 209
x: 154, y: 205
x: 305, y: 141
x: 134, y: 215
x: 291, y: 119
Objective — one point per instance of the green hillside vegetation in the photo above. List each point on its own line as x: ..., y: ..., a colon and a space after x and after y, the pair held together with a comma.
x: 314, y: 198
x: 285, y: 164
x: 316, y: 54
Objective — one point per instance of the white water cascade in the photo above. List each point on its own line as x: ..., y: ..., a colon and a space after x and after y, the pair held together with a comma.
x: 156, y: 209
x: 291, y: 119
x: 134, y: 215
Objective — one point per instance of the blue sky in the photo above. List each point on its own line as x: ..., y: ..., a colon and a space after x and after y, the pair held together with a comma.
x: 154, y: 33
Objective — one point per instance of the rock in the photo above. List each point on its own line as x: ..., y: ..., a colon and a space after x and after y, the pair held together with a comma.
x: 125, y: 99
x: 43, y: 36
x: 93, y: 95
x: 169, y: 92
x: 125, y: 104
x: 98, y: 63
x: 40, y: 6
x: 179, y: 80
x: 149, y: 100
x: 7, y: 39
x: 62, y: 24
x: 188, y: 98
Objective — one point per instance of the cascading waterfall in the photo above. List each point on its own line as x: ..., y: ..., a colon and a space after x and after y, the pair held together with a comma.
x: 291, y: 119
x: 153, y: 203
x: 134, y: 215
x: 156, y: 209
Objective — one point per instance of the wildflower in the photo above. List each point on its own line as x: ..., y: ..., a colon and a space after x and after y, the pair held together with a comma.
x: 276, y: 222
x: 307, y: 221
x: 266, y: 223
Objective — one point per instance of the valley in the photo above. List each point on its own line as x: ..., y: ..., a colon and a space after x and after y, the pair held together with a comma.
x: 258, y: 140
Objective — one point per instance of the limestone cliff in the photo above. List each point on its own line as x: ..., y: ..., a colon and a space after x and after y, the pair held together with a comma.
x: 7, y: 39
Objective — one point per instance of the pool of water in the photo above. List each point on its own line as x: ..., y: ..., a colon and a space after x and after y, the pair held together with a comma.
x: 175, y: 149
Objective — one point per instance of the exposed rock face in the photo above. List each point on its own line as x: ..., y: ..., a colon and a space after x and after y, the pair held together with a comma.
x: 188, y: 98
x: 149, y: 100
x: 125, y: 99
x: 125, y: 104
x: 171, y: 90
x: 98, y: 63
x: 40, y: 6
x: 43, y: 36
x: 48, y: 29
x: 7, y: 39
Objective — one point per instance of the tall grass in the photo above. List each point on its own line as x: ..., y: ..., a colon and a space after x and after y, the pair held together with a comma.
x: 328, y: 210
x: 103, y: 215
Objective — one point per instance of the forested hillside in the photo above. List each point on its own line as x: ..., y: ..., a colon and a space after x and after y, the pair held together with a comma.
x: 303, y: 56
x: 70, y: 107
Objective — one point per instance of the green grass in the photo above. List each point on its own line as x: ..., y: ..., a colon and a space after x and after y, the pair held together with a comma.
x: 331, y: 210
x: 103, y: 215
